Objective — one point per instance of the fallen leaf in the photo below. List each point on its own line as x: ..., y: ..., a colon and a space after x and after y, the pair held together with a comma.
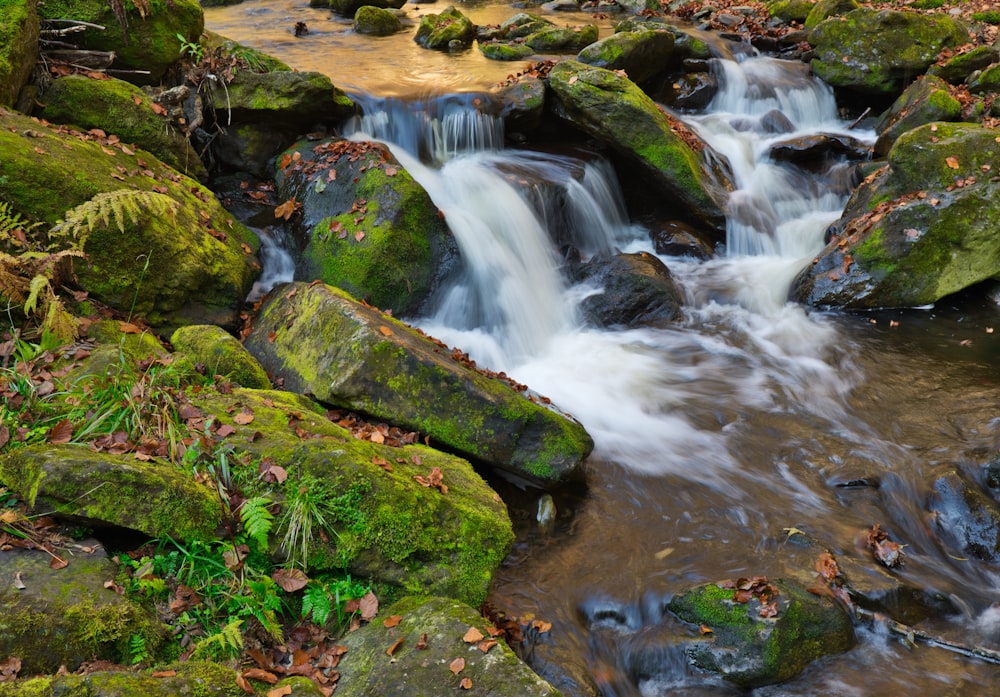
x: 465, y: 683
x: 395, y: 645
x: 18, y: 583
x: 285, y: 210
x: 486, y: 645
x: 457, y: 666
x: 290, y: 580
x: 280, y: 691
x: 541, y: 625
x: 472, y: 636
x: 243, y: 418
x: 245, y: 685
x: 62, y: 432
x: 422, y: 642
x: 57, y: 563
x: 359, y: 235
x: 391, y: 171
x: 392, y: 621
x: 157, y: 109
x: 260, y: 674
x: 368, y: 606
x: 952, y: 162
x: 572, y: 80
x: 164, y: 673
x: 225, y: 430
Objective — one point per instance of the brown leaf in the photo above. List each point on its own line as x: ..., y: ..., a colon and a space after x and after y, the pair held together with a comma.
x: 572, y: 80
x: 486, y: 645
x: 260, y: 674
x: 290, y: 580
x: 826, y: 565
x: 245, y: 685
x: 457, y: 666
x: 465, y: 683
x: 57, y: 563
x: 164, y: 673
x: 225, y: 430
x: 472, y: 636
x: 368, y: 606
x: 62, y: 432
x: 285, y: 210
x: 282, y: 691
x: 137, y: 99
x: 386, y: 331
x: 157, y: 109
x: 541, y: 625
x: 395, y: 645
x: 422, y: 642
x: 391, y: 171
x: 952, y: 162
x: 243, y: 418
x: 128, y: 328
x: 392, y: 621
x: 359, y: 235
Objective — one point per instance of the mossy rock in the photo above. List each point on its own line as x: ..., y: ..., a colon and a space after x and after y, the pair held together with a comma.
x: 366, y: 670
x: 189, y: 678
x: 522, y: 104
x: 376, y: 21
x: 910, y: 236
x: 750, y: 650
x: 18, y: 46
x: 522, y: 25
x: 880, y: 52
x: 120, y: 108
x: 221, y: 354
x: 348, y: 8
x: 281, y: 99
x: 791, y: 10
x: 193, y: 265
x: 388, y: 528
x: 149, y: 43
x: 562, y: 39
x: 824, y: 9
x: 505, y: 51
x: 612, y: 109
x: 641, y: 54
x: 988, y: 81
x: 958, y: 68
x: 926, y: 100
x: 323, y: 342
x: 62, y: 617
x: 445, y: 31
x: 152, y: 497
x: 370, y: 228
x: 258, y: 61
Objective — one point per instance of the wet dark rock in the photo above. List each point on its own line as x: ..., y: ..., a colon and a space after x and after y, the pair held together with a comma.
x: 926, y: 100
x: 691, y: 91
x: 677, y: 239
x: 775, y: 122
x: 641, y: 54
x: 818, y: 147
x: 638, y: 290
x: 958, y: 68
x: 521, y: 105
x: 966, y: 518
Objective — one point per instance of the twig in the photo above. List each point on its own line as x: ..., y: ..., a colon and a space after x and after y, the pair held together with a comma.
x: 914, y: 635
x: 76, y: 21
x: 859, y: 119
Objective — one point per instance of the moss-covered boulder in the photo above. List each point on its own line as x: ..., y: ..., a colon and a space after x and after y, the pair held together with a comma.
x: 754, y: 642
x: 65, y: 616
x: 641, y: 54
x: 791, y: 10
x: 18, y: 46
x: 880, y: 52
x: 522, y: 25
x: 926, y: 100
x: 348, y: 8
x: 987, y: 81
x: 960, y: 66
x: 370, y: 228
x: 376, y: 21
x: 189, y: 678
x: 103, y: 489
x: 221, y: 354
x: 562, y: 39
x: 120, y: 108
x: 181, y: 258
x: 445, y: 31
x: 322, y: 341
x: 146, y: 43
x: 917, y: 230
x: 521, y: 104
x: 505, y: 51
x: 411, y: 671
x: 636, y: 290
x: 824, y: 9
x: 386, y: 526
x: 612, y: 109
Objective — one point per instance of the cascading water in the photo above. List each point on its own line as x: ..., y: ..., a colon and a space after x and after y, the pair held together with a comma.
x: 748, y: 417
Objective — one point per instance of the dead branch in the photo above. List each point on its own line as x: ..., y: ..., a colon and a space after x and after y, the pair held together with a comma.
x: 913, y: 636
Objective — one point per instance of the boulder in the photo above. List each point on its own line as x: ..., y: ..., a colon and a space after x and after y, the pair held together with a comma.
x: 612, y: 109
x: 636, y: 290
x: 522, y: 25
x: 146, y: 41
x: 18, y: 47
x: 376, y: 21
x: 824, y: 9
x: 120, y: 108
x: 60, y: 617
x: 440, y: 625
x: 791, y: 10
x: 521, y: 104
x: 221, y: 354
x: 926, y: 100
x: 445, y: 31
x: 641, y: 54
x: 102, y: 489
x: 674, y: 238
x: 762, y: 635
x: 321, y: 341
x: 965, y: 516
x: 385, y: 525
x: 878, y: 52
x: 917, y: 230
x: 181, y: 258
x: 819, y: 148
x: 986, y: 82
x: 960, y: 66
x: 562, y: 39
x: 369, y: 227
x: 348, y: 8
x: 505, y: 51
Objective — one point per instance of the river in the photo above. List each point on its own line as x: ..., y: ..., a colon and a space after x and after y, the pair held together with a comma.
x: 715, y: 437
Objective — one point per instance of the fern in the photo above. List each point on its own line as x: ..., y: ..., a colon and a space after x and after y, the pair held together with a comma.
x: 137, y: 650
x: 257, y: 519
x: 122, y: 206
x: 316, y: 602
x: 225, y: 643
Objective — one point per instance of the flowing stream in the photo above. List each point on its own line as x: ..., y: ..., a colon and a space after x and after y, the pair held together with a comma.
x: 713, y: 437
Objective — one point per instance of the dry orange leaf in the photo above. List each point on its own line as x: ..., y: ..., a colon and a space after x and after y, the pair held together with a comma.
x: 465, y: 683
x: 285, y: 210
x: 243, y: 418
x: 385, y: 330
x: 392, y: 621
x: 472, y: 636
x: 280, y: 691
x: 951, y: 162
x: 457, y: 666
x: 164, y: 673
x: 395, y: 645
x: 260, y: 674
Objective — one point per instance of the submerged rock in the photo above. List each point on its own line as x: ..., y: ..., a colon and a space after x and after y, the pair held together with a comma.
x: 965, y: 516
x: 636, y: 290
x: 917, y: 230
x: 614, y: 110
x: 748, y: 644
x: 880, y: 51
x: 322, y: 341
x: 428, y: 638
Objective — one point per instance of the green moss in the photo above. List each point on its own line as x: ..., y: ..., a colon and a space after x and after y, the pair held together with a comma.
x: 222, y: 354
x: 376, y: 21
x: 989, y: 17
x: 18, y: 46
x: 505, y: 51
x: 553, y: 39
x: 440, y: 30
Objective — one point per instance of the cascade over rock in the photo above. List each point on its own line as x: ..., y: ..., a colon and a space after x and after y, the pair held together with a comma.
x: 612, y: 109
x: 370, y: 229
x: 911, y: 235
x: 322, y: 341
x: 878, y: 52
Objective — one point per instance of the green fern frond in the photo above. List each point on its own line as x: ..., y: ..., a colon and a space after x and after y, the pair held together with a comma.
x: 257, y: 519
x: 35, y: 288
x: 122, y: 206
x: 317, y: 603
x: 225, y: 643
